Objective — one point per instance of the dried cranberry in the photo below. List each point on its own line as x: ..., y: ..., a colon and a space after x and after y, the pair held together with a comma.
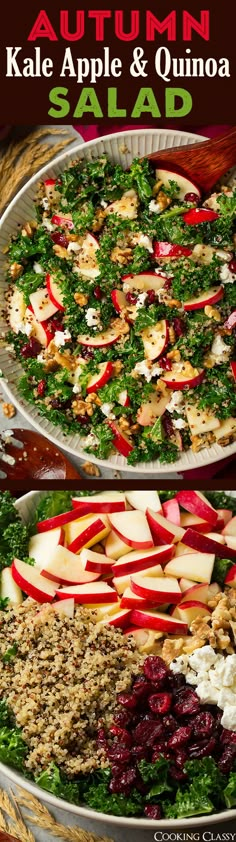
x: 155, y: 669
x: 160, y: 702
x: 151, y: 296
x: 41, y: 388
x: 119, y: 755
x: 152, y: 811
x: 232, y: 266
x: 124, y: 736
x: 147, y: 732
x: 128, y: 778
x: 31, y: 348
x: 87, y: 353
x: 178, y: 326
x: 202, y: 749
x: 169, y: 723
x: 56, y: 403
x: 82, y: 419
x: 141, y: 687
x: 98, y: 293
x: 176, y: 682
x: 203, y: 724
x: 167, y: 425
x: 180, y: 737
x: 188, y: 703
x: 122, y: 718
x: 116, y: 786
x: 177, y: 774
x: 59, y: 239
x: 228, y: 736
x: 131, y: 298
x: 156, y: 754
x: 191, y: 197
x: 165, y: 363
x: 168, y: 283
x: 128, y: 700
x: 227, y: 759
x: 140, y: 752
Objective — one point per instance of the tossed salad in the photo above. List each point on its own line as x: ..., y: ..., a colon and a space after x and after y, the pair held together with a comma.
x: 122, y: 309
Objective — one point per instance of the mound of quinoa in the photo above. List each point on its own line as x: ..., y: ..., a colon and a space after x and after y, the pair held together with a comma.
x: 61, y: 683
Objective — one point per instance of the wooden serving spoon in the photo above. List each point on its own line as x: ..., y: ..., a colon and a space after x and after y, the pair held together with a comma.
x: 28, y: 455
x: 204, y: 162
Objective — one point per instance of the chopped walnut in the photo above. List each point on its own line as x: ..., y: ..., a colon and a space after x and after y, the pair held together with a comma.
x: 121, y: 255
x: 93, y: 398
x: 163, y: 200
x: 16, y: 270
x: 201, y: 441
x: 157, y: 187
x: 212, y: 313
x: 171, y: 335
x: 98, y: 220
x: 79, y: 407
x: 172, y: 649
x: 124, y: 423
x: 121, y: 326
x: 81, y: 299
x: 61, y: 252
x: 28, y: 229
x: 192, y: 643
x: 117, y: 367
x: 174, y: 355
x: 8, y: 410
x: 90, y: 469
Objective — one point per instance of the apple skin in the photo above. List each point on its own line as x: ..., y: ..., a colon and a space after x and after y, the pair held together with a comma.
x: 197, y: 592
x: 130, y: 600
x: 230, y: 578
x: 172, y: 382
x: 185, y: 184
x: 67, y: 569
x: 169, y: 250
x: 118, y: 300
x: 81, y: 594
x: 145, y: 281
x: 186, y: 520
x: 126, y: 523
x: 231, y: 321
x: 190, y: 610
x: 119, y: 620
x: 120, y: 440
x: 32, y: 583
x: 162, y: 530
x: 41, y: 330
x: 147, y: 588
x: 155, y: 339
x: 96, y: 530
x: 233, y: 369
x: 211, y: 296
x: 197, y: 504
x: 171, y: 511
x: 51, y: 285
x: 123, y: 398
x: 205, y: 545
x: 61, y: 520
x: 62, y: 221
x: 99, y: 504
x: 230, y: 528
x: 95, y: 562
x: 157, y: 621
x: 131, y: 565
x: 98, y: 380
x: 225, y: 515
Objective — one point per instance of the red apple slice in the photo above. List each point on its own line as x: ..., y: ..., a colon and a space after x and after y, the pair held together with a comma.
x: 188, y: 611
x: 196, y: 503
x: 66, y: 607
x: 120, y: 440
x: 155, y: 339
x: 122, y: 582
x: 206, y: 545
x: 152, y: 409
x: 230, y: 578
x: 104, y: 373
x: 197, y: 592
x: 144, y: 499
x: 40, y: 330
x: 182, y: 374
x: 118, y: 300
x: 162, y: 529
x: 171, y: 511
x: 42, y: 306
x: 76, y: 527
x: 224, y: 515
x: 157, y: 589
x: 66, y: 568
x: 141, y: 560
x: 54, y: 292
x: 132, y: 527
x: 169, y: 250
x: 106, y: 501
x: 215, y: 536
x: 114, y: 547
x: 9, y: 589
x: 157, y: 621
x: 95, y: 562
x: 194, y: 521
x: 119, y: 620
x: 185, y: 185
x: 230, y: 540
x: 63, y: 221
x: 210, y: 296
x: 230, y: 528
x: 95, y: 531
x: 195, y: 216
x: 59, y: 520
x: 233, y: 369
x: 44, y: 544
x: 32, y: 583
x: 92, y: 593
x: 145, y: 281
x: 195, y: 566
x: 130, y: 600
x: 230, y: 322
x: 123, y: 398
x: 99, y: 340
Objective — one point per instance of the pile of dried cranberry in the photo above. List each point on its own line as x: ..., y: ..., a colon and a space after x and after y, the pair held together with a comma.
x: 162, y: 715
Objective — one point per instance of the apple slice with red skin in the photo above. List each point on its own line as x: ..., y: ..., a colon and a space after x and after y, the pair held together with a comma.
x: 180, y: 376
x: 43, y: 544
x: 206, y: 545
x: 106, y: 501
x: 141, y: 560
x: 233, y: 369
x: 95, y: 531
x: 195, y: 566
x: 145, y: 281
x: 61, y: 520
x: 188, y: 611
x: 224, y: 516
x: 210, y: 296
x: 186, y: 186
x: 40, y: 330
x: 75, y: 527
x: 156, y: 589
x: 122, y: 582
x: 152, y: 409
x: 118, y: 300
x: 95, y: 562
x: 195, y: 216
x: 43, y: 308
x: 216, y: 536
x: 230, y: 578
x: 230, y: 321
x: 99, y: 340
x: 114, y: 547
x: 104, y: 373
x: 171, y: 511
x: 54, y: 292
x: 162, y: 529
x: 155, y: 339
x: 123, y: 398
x: 157, y: 621
x: 197, y: 504
x: 119, y: 620
x: 169, y: 250
x: 142, y: 500
x: 196, y: 592
x: 63, y: 221
x: 120, y: 440
x: 92, y: 593
x: 186, y: 520
x: 130, y: 600
x: 67, y: 569
x: 132, y: 527
x: 32, y: 583
x: 230, y: 540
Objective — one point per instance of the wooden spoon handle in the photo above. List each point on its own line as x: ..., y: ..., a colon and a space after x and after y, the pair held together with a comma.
x: 204, y: 162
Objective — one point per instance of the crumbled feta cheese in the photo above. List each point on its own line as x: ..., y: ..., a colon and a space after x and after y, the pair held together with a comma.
x: 203, y: 658
x: 226, y: 697
x: 207, y: 693
x: 226, y: 276
x: 219, y: 349
x: 147, y: 371
x: 48, y: 225
x: 141, y: 300
x: 38, y: 268
x: 194, y: 678
x: 103, y: 204
x: 106, y: 409
x: 176, y: 402
x: 41, y: 358
x: 144, y: 240
x: 214, y: 677
x: 229, y: 718
x: 92, y: 317
x: 180, y: 664
x: 91, y: 440
x: 73, y: 247
x: 45, y: 203
x: 179, y: 423
x: 154, y: 207
x: 76, y: 389
x: 156, y: 370
x: 61, y: 337
x: 24, y: 327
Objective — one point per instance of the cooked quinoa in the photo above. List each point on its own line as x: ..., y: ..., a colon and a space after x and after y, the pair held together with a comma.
x: 62, y: 682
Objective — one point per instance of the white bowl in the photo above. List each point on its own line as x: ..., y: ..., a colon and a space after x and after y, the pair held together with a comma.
x: 137, y: 143
x: 26, y: 506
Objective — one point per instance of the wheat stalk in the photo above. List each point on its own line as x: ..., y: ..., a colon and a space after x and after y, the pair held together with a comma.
x: 16, y: 824
x: 42, y: 818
